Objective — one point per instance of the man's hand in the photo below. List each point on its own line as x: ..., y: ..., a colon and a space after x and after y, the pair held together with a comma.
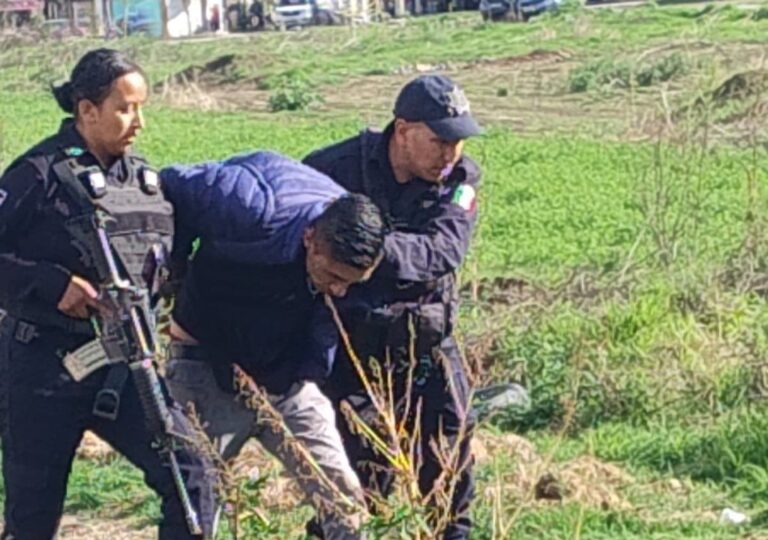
x: 79, y: 297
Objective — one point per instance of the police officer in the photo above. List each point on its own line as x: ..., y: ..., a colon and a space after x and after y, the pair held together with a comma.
x: 274, y: 236
x: 49, y: 285
x: 416, y: 173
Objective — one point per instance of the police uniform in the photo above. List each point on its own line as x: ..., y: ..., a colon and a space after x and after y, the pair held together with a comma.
x: 47, y: 410
x: 432, y: 225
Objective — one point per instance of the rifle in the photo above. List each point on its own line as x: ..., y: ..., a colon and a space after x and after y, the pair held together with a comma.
x: 127, y: 336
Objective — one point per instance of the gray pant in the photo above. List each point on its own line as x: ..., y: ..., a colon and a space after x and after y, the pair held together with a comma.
x: 309, y: 416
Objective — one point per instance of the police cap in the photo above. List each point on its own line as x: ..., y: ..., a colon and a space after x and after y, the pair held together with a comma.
x: 438, y: 102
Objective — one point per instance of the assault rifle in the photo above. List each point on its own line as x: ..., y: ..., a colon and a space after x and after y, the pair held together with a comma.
x: 127, y: 336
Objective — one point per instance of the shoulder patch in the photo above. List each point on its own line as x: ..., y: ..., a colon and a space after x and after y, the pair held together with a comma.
x: 3, y: 196
x: 465, y: 197
x: 74, y: 151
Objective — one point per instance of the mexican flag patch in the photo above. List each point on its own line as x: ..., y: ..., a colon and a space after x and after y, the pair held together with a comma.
x: 465, y: 196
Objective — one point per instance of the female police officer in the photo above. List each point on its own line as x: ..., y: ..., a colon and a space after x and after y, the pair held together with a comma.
x: 49, y: 285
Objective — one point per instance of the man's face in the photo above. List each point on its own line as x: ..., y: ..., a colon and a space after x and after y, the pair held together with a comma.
x: 427, y: 155
x: 113, y: 125
x: 326, y: 274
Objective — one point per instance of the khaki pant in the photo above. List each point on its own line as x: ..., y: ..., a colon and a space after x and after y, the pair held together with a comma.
x: 306, y: 412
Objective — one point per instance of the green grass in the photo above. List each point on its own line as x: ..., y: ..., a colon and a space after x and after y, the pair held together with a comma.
x: 548, y: 205
x: 639, y: 324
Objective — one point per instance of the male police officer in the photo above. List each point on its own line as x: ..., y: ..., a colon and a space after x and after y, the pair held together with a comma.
x: 416, y: 173
x: 274, y: 234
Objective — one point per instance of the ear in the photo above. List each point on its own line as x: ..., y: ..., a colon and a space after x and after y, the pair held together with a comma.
x: 309, y: 237
x: 401, y: 126
x: 87, y: 111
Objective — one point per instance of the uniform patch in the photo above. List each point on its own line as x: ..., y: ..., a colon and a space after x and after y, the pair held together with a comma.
x: 3, y: 196
x: 465, y: 197
x: 74, y: 151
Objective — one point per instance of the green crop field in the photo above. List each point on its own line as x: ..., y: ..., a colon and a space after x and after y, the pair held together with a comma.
x: 620, y: 269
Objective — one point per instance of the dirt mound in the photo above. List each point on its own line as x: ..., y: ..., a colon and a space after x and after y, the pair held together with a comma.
x: 485, y: 446
x: 594, y: 483
x: 584, y: 480
x: 94, y: 449
x: 741, y: 86
x: 537, y: 55
x: 220, y: 70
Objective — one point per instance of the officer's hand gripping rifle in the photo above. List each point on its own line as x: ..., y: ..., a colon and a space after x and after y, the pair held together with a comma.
x: 128, y: 335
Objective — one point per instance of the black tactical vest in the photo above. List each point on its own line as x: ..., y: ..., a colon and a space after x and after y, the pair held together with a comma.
x: 136, y: 220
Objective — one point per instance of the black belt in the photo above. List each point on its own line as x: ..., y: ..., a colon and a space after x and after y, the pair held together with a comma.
x: 26, y: 332
x: 51, y: 320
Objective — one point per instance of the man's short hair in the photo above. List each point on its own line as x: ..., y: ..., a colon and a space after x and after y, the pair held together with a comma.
x: 353, y: 228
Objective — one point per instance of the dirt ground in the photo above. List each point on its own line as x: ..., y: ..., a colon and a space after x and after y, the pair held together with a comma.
x: 533, y: 480
x: 527, y: 93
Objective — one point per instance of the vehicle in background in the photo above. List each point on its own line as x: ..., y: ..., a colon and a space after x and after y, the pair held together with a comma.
x: 293, y: 13
x: 515, y: 10
x: 290, y: 13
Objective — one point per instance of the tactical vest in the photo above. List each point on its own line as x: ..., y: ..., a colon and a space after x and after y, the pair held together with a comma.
x: 138, y: 217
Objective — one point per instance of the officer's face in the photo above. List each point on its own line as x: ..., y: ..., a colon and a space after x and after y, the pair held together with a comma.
x: 328, y: 275
x: 111, y: 127
x: 427, y: 156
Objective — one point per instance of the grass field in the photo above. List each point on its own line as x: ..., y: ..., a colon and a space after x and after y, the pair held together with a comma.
x: 620, y: 267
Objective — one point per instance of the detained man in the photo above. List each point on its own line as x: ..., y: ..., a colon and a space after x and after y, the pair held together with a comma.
x: 273, y: 236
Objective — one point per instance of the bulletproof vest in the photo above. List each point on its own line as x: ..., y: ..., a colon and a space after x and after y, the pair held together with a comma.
x: 138, y: 218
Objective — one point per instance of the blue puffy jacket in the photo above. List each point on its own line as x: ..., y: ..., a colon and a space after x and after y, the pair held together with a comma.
x: 246, y: 294
x: 251, y: 208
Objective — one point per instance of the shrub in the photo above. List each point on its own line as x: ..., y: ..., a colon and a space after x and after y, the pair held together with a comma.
x: 293, y: 91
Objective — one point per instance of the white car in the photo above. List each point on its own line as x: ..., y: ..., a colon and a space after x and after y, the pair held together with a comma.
x: 292, y: 13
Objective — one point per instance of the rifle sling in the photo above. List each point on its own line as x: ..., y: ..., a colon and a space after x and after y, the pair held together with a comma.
x: 107, y: 402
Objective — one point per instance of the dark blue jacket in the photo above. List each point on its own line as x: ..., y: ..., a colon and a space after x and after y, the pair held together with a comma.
x: 245, y: 295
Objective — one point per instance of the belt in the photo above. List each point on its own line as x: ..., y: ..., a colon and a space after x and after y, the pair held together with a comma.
x: 26, y: 332
x: 184, y: 351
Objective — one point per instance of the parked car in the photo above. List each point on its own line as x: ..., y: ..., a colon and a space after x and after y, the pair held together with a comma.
x: 292, y: 13
x: 515, y: 10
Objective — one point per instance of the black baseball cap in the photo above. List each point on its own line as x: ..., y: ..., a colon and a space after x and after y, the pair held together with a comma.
x: 438, y: 102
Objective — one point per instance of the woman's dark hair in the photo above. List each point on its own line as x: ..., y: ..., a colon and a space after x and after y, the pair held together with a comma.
x: 93, y: 77
x: 354, y: 230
